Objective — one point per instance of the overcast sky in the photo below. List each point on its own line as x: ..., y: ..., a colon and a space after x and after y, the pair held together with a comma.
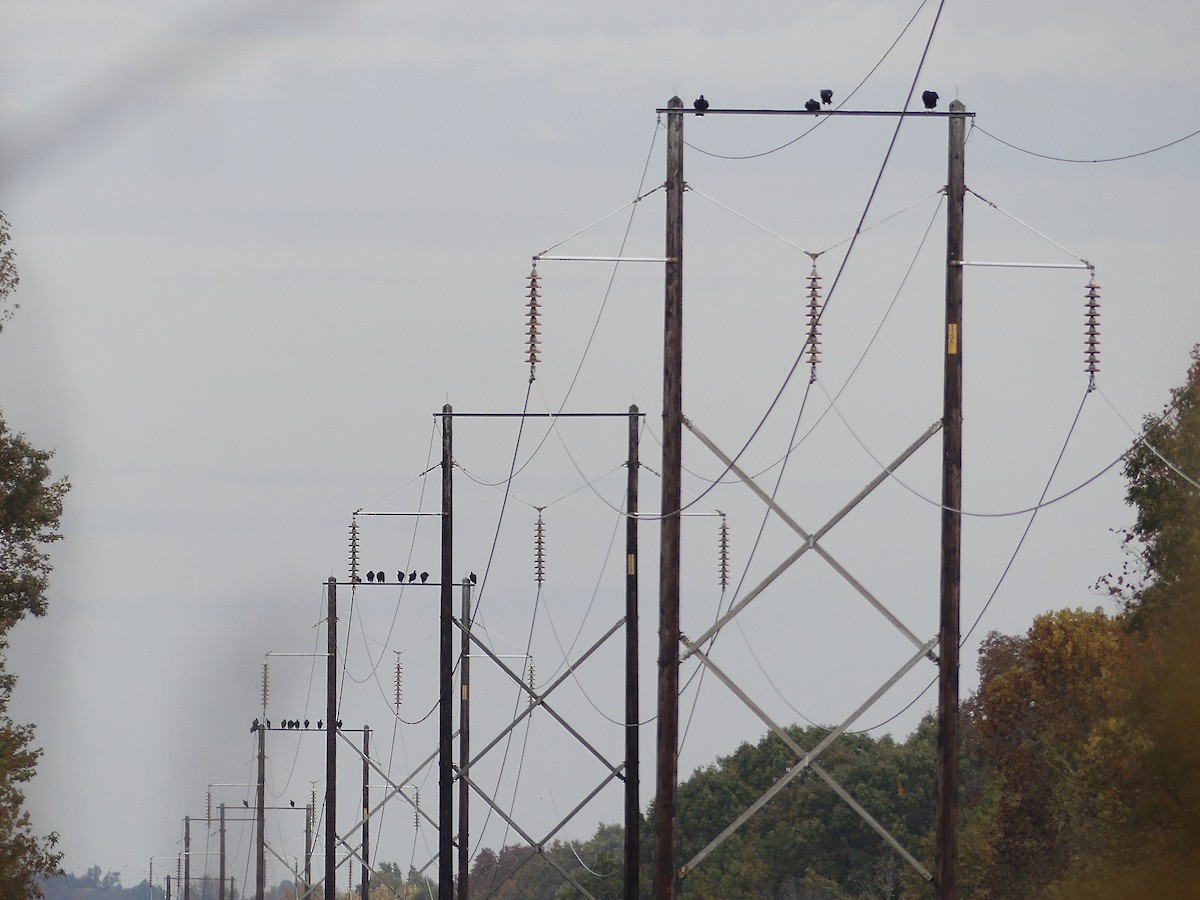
x: 261, y: 245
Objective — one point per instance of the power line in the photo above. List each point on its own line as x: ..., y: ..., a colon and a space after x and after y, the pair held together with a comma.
x: 1108, y: 159
x: 821, y: 121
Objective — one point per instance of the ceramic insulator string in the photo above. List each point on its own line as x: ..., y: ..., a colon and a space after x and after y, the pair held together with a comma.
x: 814, y: 322
x: 723, y: 555
x: 353, y: 551
x: 1092, y: 331
x: 399, y: 682
x: 266, y: 682
x: 534, y: 311
x: 532, y: 685
x: 539, y: 550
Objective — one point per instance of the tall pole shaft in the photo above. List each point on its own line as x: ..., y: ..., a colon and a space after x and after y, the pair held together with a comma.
x: 331, y: 742
x: 187, y: 858
x: 464, y: 746
x: 672, y: 461
x: 366, y: 809
x: 260, y: 813
x: 446, y: 655
x: 308, y: 847
x: 948, y: 633
x: 633, y: 814
x: 221, y: 819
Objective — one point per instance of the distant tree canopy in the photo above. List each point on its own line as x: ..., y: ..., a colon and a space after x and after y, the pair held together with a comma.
x: 1090, y: 723
x: 30, y: 508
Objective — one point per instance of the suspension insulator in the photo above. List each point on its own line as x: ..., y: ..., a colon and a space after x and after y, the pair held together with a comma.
x: 1092, y: 330
x: 532, y: 685
x: 266, y: 682
x: 814, y: 322
x: 399, y: 682
x: 534, y: 311
x: 539, y: 550
x: 354, y: 551
x: 417, y: 809
x: 208, y: 808
x: 723, y: 555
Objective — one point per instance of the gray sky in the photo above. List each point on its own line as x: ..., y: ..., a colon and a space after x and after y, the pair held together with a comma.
x: 261, y: 245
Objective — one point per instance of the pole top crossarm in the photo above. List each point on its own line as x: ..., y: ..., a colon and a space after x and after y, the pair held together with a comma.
x: 893, y: 113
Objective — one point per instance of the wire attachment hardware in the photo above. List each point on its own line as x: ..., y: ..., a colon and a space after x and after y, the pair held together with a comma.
x: 814, y: 321
x: 539, y: 549
x: 1092, y: 331
x: 534, y: 310
x: 723, y: 554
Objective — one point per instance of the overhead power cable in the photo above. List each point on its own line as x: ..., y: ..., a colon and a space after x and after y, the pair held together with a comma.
x: 823, y: 120
x: 1108, y: 159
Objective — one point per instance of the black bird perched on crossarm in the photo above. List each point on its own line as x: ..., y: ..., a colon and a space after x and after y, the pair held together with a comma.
x: 930, y: 99
x: 424, y: 577
x: 380, y: 577
x: 254, y: 726
x: 812, y: 105
x: 370, y: 576
x: 472, y: 578
x: 700, y: 105
x: 827, y: 96
x: 412, y: 576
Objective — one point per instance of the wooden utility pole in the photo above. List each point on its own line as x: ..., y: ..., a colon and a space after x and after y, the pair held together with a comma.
x: 366, y: 809
x: 446, y: 655
x: 221, y: 819
x: 308, y: 847
x: 187, y: 858
x: 672, y: 461
x: 946, y: 866
x: 633, y: 814
x: 260, y: 837
x: 331, y: 741
x: 464, y: 745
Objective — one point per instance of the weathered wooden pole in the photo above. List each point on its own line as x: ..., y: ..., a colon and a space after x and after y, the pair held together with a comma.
x: 946, y: 865
x: 446, y: 657
x: 672, y: 461
x: 331, y: 742
x: 633, y: 813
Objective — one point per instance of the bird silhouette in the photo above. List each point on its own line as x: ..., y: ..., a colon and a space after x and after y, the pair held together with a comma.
x: 306, y: 723
x: 700, y: 105
x: 826, y: 96
x: 357, y: 580
x: 380, y: 577
x: 930, y: 99
x: 254, y: 726
x: 320, y: 724
x: 400, y: 577
x: 424, y: 577
x: 268, y: 724
x: 412, y: 576
x: 370, y: 576
x: 812, y: 105
x: 472, y: 577
x: 339, y: 723
x: 293, y: 802
x: 246, y: 803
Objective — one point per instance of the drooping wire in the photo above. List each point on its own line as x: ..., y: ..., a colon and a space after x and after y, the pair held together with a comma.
x: 849, y: 250
x: 1033, y: 515
x: 1109, y: 159
x: 823, y: 119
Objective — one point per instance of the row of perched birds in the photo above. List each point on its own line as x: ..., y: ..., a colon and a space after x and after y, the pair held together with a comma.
x: 381, y: 577
x: 928, y: 98
x: 289, y: 724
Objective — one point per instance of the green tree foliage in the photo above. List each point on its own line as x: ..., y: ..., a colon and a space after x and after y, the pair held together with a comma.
x: 30, y: 508
x: 1091, y: 723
